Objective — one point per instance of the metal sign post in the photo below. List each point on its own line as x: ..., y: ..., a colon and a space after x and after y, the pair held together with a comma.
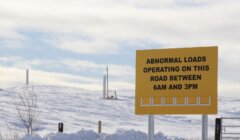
x: 151, y: 127
x: 27, y: 77
x: 204, y: 127
x: 177, y: 81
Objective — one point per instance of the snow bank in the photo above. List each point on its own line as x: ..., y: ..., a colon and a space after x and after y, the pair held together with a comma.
x: 91, y: 135
x: 81, y: 135
x: 36, y: 137
x: 125, y: 135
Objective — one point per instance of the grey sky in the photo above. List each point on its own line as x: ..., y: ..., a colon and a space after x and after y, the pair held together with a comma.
x: 70, y: 42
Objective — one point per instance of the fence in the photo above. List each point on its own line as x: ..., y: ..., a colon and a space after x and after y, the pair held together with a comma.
x: 227, y: 129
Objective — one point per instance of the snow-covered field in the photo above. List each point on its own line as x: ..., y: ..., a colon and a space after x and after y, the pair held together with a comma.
x: 91, y: 135
x: 81, y: 110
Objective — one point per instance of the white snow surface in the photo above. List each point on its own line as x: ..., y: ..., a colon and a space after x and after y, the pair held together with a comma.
x: 82, y: 109
x: 91, y: 135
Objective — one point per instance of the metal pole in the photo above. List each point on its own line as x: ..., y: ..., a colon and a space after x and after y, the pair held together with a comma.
x: 115, y: 94
x: 204, y: 127
x: 107, y: 81
x: 218, y: 128
x: 221, y: 128
x: 27, y: 78
x: 151, y: 127
x: 104, y: 86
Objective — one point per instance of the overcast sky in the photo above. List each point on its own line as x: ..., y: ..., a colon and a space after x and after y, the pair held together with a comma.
x: 70, y: 43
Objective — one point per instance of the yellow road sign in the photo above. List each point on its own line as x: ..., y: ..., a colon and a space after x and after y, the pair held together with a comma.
x: 177, y: 81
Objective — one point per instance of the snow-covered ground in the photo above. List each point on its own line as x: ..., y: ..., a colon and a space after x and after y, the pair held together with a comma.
x: 91, y: 135
x: 82, y: 109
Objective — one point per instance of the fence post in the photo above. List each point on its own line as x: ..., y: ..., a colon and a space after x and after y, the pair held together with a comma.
x: 218, y: 129
x: 60, y: 127
x: 99, y: 127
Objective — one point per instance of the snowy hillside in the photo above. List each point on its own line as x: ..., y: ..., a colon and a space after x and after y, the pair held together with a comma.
x: 82, y: 109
